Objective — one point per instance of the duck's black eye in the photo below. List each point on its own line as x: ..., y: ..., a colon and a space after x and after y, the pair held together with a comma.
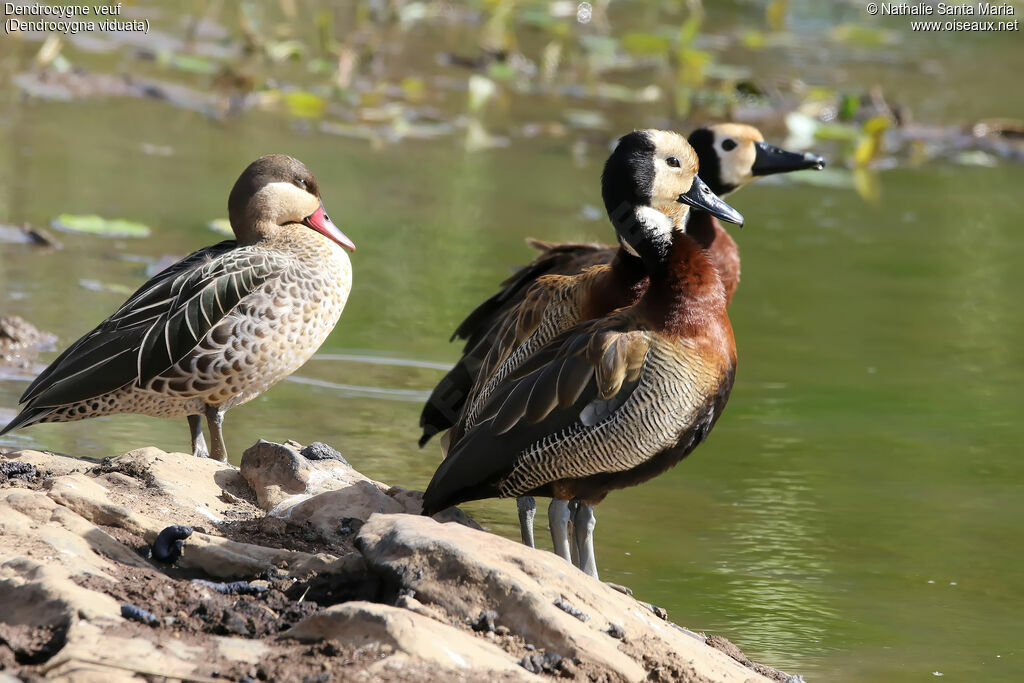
x: 673, y: 162
x: 728, y: 144
x: 301, y: 182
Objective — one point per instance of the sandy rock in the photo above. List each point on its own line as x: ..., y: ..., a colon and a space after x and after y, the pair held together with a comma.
x: 327, y: 511
x: 196, y: 484
x: 94, y: 655
x: 282, y: 477
x: 218, y: 556
x: 361, y: 623
x: 534, y: 593
x: 38, y: 594
x: 50, y: 463
x: 72, y: 540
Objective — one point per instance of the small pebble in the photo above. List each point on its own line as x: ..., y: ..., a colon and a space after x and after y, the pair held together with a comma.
x: 537, y: 663
x: 138, y: 614
x: 168, y: 545
x: 234, y: 587
x: 485, y: 622
x: 563, y: 605
x: 616, y: 631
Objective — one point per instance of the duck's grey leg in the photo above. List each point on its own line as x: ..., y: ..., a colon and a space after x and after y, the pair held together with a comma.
x: 574, y: 552
x: 558, y: 521
x: 195, y: 426
x: 215, y: 420
x: 527, y: 513
x: 583, y: 523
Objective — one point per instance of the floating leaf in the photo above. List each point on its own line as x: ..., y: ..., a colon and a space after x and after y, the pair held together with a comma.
x: 221, y: 226
x: 304, y: 104
x: 187, y: 63
x: 414, y: 88
x: 646, y: 44
x: 869, y: 147
x: 866, y: 183
x: 775, y: 14
x: 102, y: 227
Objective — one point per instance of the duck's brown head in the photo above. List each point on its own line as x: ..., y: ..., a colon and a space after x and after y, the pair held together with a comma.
x: 274, y: 191
x: 733, y: 154
x: 649, y: 182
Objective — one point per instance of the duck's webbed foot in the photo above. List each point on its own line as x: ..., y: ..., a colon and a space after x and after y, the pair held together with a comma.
x: 527, y: 513
x: 195, y: 428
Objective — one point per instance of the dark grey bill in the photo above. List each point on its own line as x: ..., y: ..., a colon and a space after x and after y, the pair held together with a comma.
x: 700, y: 196
x: 769, y: 159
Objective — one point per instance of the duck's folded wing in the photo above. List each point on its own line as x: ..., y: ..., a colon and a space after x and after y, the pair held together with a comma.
x: 555, y: 259
x: 157, y: 327
x: 447, y: 401
x: 575, y: 382
x: 140, y: 310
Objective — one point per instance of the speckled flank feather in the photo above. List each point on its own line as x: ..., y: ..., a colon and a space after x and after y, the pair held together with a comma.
x: 286, y: 294
x: 668, y: 400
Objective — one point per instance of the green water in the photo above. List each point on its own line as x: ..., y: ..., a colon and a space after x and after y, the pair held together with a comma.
x: 854, y: 516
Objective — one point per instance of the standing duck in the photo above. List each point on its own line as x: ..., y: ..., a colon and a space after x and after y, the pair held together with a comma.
x: 217, y: 328
x: 731, y: 155
x: 609, y: 403
x: 649, y: 179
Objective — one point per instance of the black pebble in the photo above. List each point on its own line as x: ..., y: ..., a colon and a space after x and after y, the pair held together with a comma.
x: 138, y: 614
x: 485, y: 622
x: 537, y: 663
x: 167, y: 546
x: 570, y: 609
x: 321, y: 451
x: 16, y: 469
x: 232, y: 587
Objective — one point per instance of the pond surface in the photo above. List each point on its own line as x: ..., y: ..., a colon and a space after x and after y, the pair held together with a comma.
x: 855, y: 515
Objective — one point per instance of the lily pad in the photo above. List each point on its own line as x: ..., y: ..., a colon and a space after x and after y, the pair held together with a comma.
x: 102, y: 227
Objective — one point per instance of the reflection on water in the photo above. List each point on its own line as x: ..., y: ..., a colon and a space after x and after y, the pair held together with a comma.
x: 778, y: 572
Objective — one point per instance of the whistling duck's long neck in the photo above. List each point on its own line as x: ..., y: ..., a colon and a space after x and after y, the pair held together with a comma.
x: 702, y: 228
x: 685, y: 292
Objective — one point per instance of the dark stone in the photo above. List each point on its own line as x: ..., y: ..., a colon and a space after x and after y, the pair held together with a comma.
x: 138, y: 614
x: 571, y: 609
x: 542, y: 663
x: 233, y: 623
x: 168, y: 545
x: 616, y: 631
x: 485, y: 622
x: 232, y: 587
x: 321, y: 451
x: 16, y: 469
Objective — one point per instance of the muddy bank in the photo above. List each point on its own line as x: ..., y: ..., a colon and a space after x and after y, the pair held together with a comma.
x: 296, y: 567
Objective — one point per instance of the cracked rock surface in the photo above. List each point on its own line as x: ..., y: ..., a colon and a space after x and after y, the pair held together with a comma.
x: 300, y: 569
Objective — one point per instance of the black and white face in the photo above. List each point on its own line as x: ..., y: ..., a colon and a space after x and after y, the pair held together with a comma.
x: 649, y: 184
x: 735, y: 154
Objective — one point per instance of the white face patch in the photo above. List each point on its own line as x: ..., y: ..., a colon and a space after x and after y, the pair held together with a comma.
x: 655, y: 223
x: 735, y: 165
x: 281, y: 203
